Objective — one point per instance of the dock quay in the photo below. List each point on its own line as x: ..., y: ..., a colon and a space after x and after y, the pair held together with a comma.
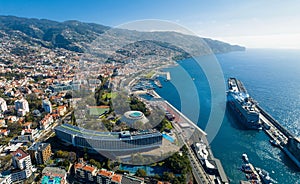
x: 286, y: 141
x: 168, y: 75
x: 255, y: 173
x: 252, y: 174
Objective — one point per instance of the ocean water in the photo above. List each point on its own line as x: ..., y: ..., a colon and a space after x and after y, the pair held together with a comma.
x: 272, y: 77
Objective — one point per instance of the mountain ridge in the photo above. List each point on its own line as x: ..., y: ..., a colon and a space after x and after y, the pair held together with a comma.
x: 75, y: 36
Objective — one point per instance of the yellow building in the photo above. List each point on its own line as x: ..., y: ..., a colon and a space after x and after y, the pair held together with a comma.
x: 40, y: 152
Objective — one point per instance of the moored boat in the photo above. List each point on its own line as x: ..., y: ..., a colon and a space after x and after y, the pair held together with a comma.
x: 242, y: 105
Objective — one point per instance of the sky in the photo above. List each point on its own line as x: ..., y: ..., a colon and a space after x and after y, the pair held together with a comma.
x: 254, y: 23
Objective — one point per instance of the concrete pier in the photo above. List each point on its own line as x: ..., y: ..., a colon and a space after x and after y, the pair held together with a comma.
x: 285, y: 140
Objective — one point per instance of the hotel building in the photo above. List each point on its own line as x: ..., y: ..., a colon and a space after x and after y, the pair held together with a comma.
x: 108, y: 141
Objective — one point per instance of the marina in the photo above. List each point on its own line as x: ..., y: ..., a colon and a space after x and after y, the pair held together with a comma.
x: 254, y: 174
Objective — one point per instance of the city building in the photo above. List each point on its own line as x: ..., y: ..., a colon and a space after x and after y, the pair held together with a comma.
x: 22, y: 164
x: 21, y: 159
x: 22, y: 107
x: 19, y: 175
x: 4, y: 132
x: 40, y: 152
x: 104, y: 176
x: 5, y: 178
x: 2, y: 123
x: 90, y: 174
x: 22, y: 139
x: 46, y: 104
x: 85, y: 172
x: 54, y: 175
x: 61, y: 110
x: 3, y: 106
x: 46, y: 122
x: 63, y: 87
x: 109, y: 141
x: 12, y: 119
x: 116, y: 179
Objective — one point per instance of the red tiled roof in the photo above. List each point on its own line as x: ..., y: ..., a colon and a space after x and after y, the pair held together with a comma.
x: 105, y: 173
x: 78, y: 165
x: 116, y: 178
x: 89, y: 168
x: 3, y: 130
x: 20, y: 154
x: 55, y: 115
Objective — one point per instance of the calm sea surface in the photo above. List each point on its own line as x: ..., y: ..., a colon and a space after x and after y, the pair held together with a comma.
x: 272, y: 77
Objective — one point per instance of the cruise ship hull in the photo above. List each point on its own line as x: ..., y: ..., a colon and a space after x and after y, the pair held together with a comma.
x: 248, y: 118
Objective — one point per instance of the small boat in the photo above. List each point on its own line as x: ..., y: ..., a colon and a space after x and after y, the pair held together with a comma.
x: 246, y: 168
x: 157, y: 83
x: 245, y: 157
x: 252, y: 176
x: 274, y: 143
x: 264, y: 175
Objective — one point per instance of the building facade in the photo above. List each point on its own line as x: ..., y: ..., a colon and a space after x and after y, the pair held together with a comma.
x: 46, y: 104
x: 104, y: 176
x: 22, y: 107
x: 18, y: 175
x: 85, y: 172
x: 40, y: 152
x: 5, y: 179
x: 90, y: 174
x: 108, y: 141
x: 21, y: 159
x: 3, y: 105
x: 46, y: 122
x: 23, y: 166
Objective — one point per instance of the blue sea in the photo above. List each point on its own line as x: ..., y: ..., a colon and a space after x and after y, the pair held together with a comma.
x: 272, y: 77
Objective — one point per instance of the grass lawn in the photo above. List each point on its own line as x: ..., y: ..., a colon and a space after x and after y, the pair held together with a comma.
x: 150, y: 74
x: 169, y: 125
x: 97, y: 111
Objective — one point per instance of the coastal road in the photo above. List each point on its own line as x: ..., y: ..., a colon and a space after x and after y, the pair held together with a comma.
x: 199, y: 174
x: 184, y: 134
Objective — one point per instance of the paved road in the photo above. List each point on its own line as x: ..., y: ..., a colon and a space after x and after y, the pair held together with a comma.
x: 199, y: 174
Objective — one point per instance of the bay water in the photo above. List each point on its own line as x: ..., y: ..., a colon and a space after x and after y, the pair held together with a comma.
x: 271, y: 77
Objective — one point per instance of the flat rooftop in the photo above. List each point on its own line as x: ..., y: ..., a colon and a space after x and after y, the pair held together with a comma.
x: 91, y: 134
